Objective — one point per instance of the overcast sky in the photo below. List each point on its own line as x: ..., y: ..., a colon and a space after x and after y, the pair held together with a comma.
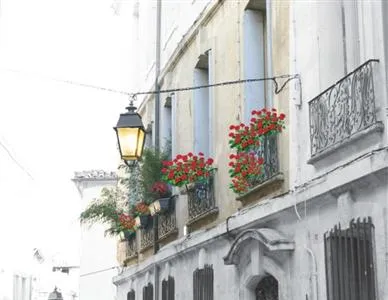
x: 53, y: 128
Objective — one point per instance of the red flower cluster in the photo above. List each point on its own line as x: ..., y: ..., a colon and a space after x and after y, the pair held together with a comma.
x: 141, y: 209
x: 185, y: 169
x: 127, y: 221
x: 160, y: 188
x: 263, y: 122
x: 244, y: 167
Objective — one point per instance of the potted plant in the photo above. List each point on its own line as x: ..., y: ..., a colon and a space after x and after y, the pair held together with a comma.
x: 163, y: 199
x: 187, y: 169
x: 142, y: 213
x: 108, y: 210
x: 128, y: 224
x: 246, y: 166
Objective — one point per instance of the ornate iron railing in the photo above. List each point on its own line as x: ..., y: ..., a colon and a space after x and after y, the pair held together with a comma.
x: 146, y: 238
x: 131, y: 248
x: 167, y: 222
x: 268, y: 150
x: 343, y: 109
x: 201, y: 199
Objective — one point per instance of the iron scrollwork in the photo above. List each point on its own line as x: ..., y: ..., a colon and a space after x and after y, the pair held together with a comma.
x: 131, y: 249
x: 343, y: 109
x: 268, y: 150
x: 201, y: 198
x: 147, y: 238
x: 167, y: 221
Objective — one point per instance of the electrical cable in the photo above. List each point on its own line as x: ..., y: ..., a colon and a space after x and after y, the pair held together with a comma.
x: 15, y: 160
x: 99, y: 271
x: 278, y: 88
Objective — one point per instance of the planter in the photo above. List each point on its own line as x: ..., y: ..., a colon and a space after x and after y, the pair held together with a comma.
x: 143, y: 221
x: 129, y: 235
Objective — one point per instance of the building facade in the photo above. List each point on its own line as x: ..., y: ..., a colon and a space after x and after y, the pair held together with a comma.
x: 96, y: 268
x: 315, y: 226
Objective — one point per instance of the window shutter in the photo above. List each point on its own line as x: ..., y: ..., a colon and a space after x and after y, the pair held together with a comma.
x: 349, y: 256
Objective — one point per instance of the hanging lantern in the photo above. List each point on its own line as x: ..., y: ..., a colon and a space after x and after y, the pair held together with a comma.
x: 130, y: 135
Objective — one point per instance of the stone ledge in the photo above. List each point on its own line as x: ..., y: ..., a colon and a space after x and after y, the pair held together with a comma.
x: 204, y: 215
x: 168, y: 234
x: 376, y: 127
x: 274, y: 179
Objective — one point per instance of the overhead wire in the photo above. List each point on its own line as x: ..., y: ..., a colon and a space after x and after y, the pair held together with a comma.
x: 278, y: 87
x: 11, y: 156
x: 98, y: 271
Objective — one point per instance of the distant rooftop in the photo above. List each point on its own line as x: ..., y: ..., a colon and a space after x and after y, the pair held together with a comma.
x: 94, y: 175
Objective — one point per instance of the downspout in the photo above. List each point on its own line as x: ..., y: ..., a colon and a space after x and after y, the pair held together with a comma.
x: 157, y: 134
x: 314, y: 272
x: 269, y: 72
x: 157, y: 104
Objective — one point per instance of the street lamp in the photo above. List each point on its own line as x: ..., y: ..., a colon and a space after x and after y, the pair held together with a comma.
x: 130, y: 135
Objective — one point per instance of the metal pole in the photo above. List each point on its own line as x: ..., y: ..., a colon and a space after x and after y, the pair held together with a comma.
x: 157, y: 106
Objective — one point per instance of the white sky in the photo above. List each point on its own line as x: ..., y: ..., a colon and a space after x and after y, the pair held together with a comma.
x: 53, y: 128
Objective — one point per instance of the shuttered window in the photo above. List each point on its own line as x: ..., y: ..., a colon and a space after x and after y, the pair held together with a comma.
x: 168, y: 289
x: 131, y: 295
x: 203, y: 283
x: 349, y: 255
x: 148, y: 292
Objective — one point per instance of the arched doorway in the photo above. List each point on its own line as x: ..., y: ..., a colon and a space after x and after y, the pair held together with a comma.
x: 267, y: 289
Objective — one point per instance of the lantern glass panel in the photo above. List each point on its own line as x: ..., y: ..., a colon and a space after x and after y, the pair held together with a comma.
x: 128, y: 139
x: 140, y: 143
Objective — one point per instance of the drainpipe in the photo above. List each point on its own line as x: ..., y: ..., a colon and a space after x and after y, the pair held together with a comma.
x: 314, y: 273
x: 157, y: 133
x: 157, y: 105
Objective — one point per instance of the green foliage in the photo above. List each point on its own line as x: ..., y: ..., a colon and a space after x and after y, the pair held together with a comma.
x: 151, y: 171
x: 133, y: 183
x: 104, y: 210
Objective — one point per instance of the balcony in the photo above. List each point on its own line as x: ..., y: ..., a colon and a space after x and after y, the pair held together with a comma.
x: 167, y: 222
x: 271, y: 176
x: 343, y: 111
x: 146, y: 238
x: 268, y: 150
x: 201, y: 200
x: 131, y: 248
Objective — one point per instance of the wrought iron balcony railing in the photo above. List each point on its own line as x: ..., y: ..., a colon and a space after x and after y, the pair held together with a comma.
x: 345, y: 108
x: 201, y: 200
x: 268, y: 150
x: 146, y: 238
x: 131, y: 248
x: 167, y: 222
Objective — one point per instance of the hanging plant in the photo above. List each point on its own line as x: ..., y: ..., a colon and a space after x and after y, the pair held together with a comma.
x: 246, y: 166
x: 263, y: 123
x: 106, y: 209
x: 186, y: 169
x: 141, y: 209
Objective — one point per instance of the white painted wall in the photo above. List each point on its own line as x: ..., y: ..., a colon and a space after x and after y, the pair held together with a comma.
x: 97, y: 251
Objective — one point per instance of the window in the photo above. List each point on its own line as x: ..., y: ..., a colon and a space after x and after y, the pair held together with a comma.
x: 350, y: 270
x: 168, y: 289
x: 267, y: 289
x: 131, y: 295
x: 203, y: 283
x: 254, y: 58
x: 166, y: 125
x: 202, y: 106
x: 148, y: 292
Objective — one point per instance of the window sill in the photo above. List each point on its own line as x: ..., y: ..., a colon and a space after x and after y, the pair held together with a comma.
x: 204, y: 215
x: 376, y: 127
x: 270, y: 182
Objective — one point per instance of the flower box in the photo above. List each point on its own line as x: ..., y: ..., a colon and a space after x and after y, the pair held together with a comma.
x: 143, y: 221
